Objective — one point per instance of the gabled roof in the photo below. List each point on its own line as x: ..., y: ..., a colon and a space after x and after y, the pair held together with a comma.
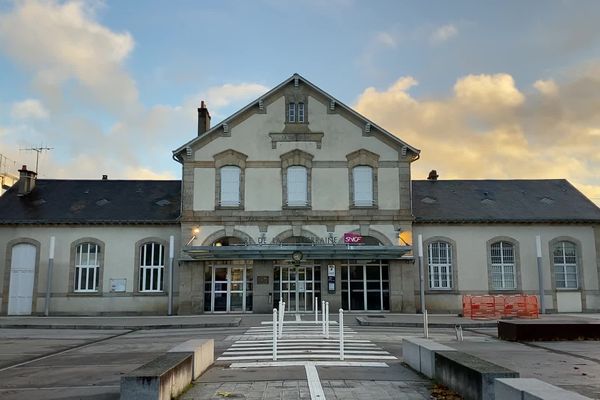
x: 279, y: 87
x: 57, y: 201
x: 501, y: 201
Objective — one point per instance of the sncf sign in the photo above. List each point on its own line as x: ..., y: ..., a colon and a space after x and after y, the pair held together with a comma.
x: 352, y: 238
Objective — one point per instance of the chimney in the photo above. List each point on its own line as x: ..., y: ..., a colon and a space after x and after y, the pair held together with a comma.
x: 433, y: 175
x: 104, y: 177
x: 203, y: 119
x: 26, y: 181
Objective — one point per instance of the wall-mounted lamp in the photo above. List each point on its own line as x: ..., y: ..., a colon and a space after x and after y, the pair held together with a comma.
x: 195, y: 232
x: 404, y: 238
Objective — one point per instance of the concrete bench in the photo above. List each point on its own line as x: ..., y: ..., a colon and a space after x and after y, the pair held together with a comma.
x: 163, y: 378
x: 470, y: 376
x: 419, y: 354
x: 532, y: 389
x: 203, y: 352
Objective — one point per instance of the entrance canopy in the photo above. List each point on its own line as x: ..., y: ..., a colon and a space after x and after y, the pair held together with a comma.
x: 309, y: 252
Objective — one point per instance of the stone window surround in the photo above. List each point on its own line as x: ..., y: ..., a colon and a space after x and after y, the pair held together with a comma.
x: 229, y: 158
x: 291, y: 159
x: 72, y: 257
x: 296, y: 95
x: 362, y: 157
x: 454, y: 289
x: 137, y: 262
x: 7, y: 268
x: 517, y: 256
x: 580, y: 275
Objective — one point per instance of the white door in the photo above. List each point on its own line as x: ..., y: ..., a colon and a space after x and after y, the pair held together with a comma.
x: 22, y: 274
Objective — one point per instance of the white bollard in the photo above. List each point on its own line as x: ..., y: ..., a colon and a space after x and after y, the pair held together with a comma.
x: 341, y: 334
x: 425, y: 324
x: 327, y: 323
x: 316, y: 310
x: 281, y: 317
x: 274, y: 334
x: 323, y: 316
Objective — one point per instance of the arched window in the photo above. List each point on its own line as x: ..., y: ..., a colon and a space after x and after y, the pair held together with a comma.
x: 363, y: 186
x: 230, y: 186
x: 502, y: 256
x: 564, y: 255
x: 440, y: 265
x: 152, y: 267
x: 297, y: 186
x: 87, y: 267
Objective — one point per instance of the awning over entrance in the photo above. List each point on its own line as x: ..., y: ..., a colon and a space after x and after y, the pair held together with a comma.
x: 309, y: 252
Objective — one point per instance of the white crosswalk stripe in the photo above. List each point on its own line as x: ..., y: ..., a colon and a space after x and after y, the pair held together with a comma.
x: 302, y: 340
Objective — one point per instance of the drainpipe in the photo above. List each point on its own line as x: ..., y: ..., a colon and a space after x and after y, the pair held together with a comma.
x: 171, y: 256
x: 49, y: 278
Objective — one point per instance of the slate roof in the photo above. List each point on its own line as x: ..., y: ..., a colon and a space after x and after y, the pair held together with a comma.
x: 55, y: 201
x: 501, y: 201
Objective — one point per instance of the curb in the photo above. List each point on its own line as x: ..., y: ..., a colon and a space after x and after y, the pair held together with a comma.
x: 363, y: 322
x: 235, y: 323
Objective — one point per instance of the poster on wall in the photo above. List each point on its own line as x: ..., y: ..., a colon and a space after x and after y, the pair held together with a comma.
x: 331, y: 278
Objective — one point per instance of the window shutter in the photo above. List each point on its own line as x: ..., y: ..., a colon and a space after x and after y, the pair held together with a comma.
x: 230, y: 186
x: 363, y: 186
x: 297, y: 186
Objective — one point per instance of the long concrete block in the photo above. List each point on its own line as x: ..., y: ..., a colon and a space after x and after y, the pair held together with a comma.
x: 470, y: 376
x: 163, y: 378
x: 532, y: 389
x: 203, y: 351
x: 419, y: 353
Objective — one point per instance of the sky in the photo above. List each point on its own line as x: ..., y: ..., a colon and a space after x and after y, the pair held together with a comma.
x: 495, y: 89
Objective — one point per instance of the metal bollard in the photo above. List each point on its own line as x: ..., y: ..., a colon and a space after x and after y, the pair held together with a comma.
x: 459, y: 332
x: 274, y: 334
x: 323, y: 317
x: 281, y: 318
x: 327, y: 323
x: 316, y: 310
x: 425, y: 324
x: 341, y: 334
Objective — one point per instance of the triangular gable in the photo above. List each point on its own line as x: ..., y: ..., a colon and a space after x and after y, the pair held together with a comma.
x: 222, y: 126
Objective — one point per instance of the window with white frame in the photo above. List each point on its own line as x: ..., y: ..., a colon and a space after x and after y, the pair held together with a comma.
x: 440, y: 265
x: 502, y: 255
x: 565, y: 265
x: 301, y: 112
x: 297, y: 186
x: 152, y: 267
x: 363, y: 186
x: 230, y: 186
x: 291, y: 112
x: 87, y: 267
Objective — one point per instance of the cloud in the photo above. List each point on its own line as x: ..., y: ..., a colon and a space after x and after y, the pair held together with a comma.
x: 385, y: 39
x: 61, y: 43
x: 219, y: 97
x: 29, y: 109
x: 488, y: 128
x: 443, y: 34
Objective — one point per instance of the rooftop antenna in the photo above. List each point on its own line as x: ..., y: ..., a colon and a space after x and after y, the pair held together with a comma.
x: 4, y: 167
x: 38, y: 150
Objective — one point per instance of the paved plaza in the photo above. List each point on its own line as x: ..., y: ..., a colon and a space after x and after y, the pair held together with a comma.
x: 87, y: 363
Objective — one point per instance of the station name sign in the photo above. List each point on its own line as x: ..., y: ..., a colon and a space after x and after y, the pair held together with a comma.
x: 347, y: 238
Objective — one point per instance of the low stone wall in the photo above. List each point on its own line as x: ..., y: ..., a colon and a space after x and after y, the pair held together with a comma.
x: 532, y: 389
x: 470, y: 376
x: 163, y: 378
x: 168, y: 375
x: 419, y: 353
x: 203, y: 351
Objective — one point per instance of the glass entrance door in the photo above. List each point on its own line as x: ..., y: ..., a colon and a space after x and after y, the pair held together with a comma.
x: 230, y: 289
x: 365, y: 286
x: 297, y: 287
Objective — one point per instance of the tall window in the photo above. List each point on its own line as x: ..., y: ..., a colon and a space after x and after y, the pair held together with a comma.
x: 565, y: 265
x: 297, y: 186
x: 292, y: 112
x: 87, y: 267
x: 230, y: 186
x: 502, y: 266
x: 363, y: 186
x: 440, y: 265
x: 300, y: 112
x: 152, y: 267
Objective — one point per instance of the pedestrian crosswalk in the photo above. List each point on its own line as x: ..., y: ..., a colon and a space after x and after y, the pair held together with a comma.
x: 302, y: 340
